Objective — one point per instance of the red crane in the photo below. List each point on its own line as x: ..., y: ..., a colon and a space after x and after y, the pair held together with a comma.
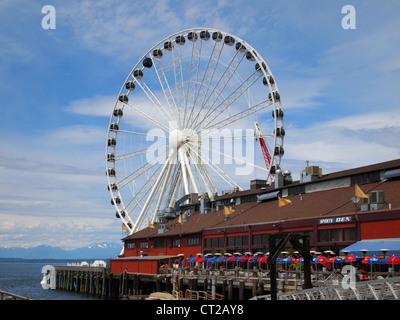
x: 264, y: 149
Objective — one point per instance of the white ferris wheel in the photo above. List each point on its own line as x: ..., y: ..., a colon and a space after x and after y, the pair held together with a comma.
x: 183, y: 119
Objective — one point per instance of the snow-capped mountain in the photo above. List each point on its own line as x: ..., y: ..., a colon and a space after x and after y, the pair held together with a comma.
x: 103, y: 250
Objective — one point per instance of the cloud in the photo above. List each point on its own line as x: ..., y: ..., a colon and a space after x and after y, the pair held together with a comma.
x: 97, y: 106
x: 346, y: 142
x: 127, y: 30
x: 76, y: 135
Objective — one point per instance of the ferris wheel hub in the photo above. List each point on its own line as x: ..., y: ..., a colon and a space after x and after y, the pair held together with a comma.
x: 176, y: 138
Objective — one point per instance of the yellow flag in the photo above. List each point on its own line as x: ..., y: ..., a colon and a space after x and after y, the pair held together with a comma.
x: 228, y: 211
x: 359, y: 193
x: 180, y: 219
x: 283, y: 202
x: 124, y: 227
x: 151, y: 226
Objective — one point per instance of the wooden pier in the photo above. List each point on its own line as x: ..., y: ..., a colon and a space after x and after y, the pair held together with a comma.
x: 234, y: 285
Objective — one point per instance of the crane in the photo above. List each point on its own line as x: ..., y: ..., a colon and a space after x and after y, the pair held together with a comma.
x: 264, y: 149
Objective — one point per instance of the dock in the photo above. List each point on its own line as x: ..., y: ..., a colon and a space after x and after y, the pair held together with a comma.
x: 184, y: 283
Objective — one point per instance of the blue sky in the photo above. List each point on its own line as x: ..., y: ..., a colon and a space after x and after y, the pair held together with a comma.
x: 339, y: 90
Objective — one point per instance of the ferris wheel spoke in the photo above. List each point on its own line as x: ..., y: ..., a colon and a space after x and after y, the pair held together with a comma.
x: 143, y: 134
x: 230, y: 99
x: 135, y: 198
x: 179, y: 81
x: 137, y: 173
x: 152, y: 193
x: 238, y: 160
x: 146, y: 116
x: 215, y: 168
x: 139, y: 152
x: 153, y: 98
x: 239, y: 115
x: 165, y: 87
x: 209, y: 136
x: 208, y: 77
x: 207, y: 182
x: 193, y: 71
x: 224, y: 80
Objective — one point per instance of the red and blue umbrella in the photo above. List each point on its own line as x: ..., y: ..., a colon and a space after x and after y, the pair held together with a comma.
x: 372, y: 260
x: 352, y: 258
x: 263, y: 259
x: 299, y: 260
x: 287, y: 260
x: 391, y: 260
x: 336, y: 259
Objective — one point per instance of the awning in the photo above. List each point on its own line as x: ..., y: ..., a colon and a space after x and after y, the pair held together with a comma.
x: 391, y: 174
x: 267, y: 196
x: 375, y: 247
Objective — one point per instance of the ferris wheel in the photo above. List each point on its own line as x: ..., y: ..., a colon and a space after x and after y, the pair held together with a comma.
x: 183, y: 119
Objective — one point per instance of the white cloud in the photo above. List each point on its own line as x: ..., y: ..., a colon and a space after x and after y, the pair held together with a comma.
x: 346, y: 142
x: 98, y: 106
x: 76, y: 135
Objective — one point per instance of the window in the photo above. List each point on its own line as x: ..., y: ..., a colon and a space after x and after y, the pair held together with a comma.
x: 130, y: 246
x: 144, y: 245
x: 238, y: 241
x: 260, y: 239
x: 323, y: 235
x: 337, y: 235
x: 349, y: 234
x: 194, y: 241
x: 158, y: 244
x: 249, y: 198
x: 175, y: 242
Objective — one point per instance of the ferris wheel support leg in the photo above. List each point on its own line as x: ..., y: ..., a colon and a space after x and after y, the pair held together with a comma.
x: 150, y: 198
x: 175, y: 192
x: 189, y: 169
x: 162, y: 192
x: 185, y: 179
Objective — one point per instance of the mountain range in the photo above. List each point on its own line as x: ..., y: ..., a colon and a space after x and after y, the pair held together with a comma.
x: 94, y: 251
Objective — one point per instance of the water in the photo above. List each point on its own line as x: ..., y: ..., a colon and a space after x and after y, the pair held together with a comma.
x: 23, y: 279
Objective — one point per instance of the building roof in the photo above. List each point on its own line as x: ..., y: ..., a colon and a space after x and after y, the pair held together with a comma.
x: 323, y: 200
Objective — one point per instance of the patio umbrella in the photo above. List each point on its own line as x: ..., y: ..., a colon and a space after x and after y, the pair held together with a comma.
x: 299, y: 260
x: 372, y: 260
x: 391, y: 260
x: 336, y: 259
x: 352, y: 258
x: 263, y: 259
x: 287, y: 260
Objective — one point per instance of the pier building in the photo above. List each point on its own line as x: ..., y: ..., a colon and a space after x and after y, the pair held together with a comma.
x: 334, y: 210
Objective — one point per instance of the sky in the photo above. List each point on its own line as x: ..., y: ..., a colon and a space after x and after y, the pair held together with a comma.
x: 339, y: 89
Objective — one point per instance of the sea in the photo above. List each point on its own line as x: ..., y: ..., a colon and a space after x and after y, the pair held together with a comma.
x: 23, y: 278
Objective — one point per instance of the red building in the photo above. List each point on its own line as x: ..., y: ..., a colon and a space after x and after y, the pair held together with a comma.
x: 322, y: 206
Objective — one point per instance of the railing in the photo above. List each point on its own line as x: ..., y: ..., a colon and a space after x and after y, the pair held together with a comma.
x: 383, y: 289
x: 202, y: 295
x: 4, y: 295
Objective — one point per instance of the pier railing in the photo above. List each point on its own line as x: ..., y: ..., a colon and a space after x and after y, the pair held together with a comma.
x: 4, y: 295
